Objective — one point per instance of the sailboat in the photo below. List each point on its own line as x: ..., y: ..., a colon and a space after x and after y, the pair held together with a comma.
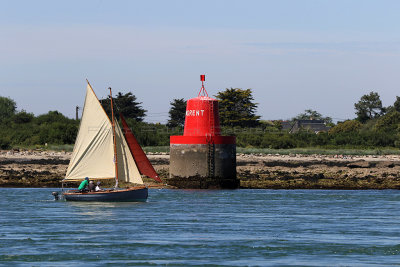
x: 102, y: 151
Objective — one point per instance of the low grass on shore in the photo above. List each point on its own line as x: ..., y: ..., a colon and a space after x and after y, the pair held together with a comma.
x: 302, y: 151
x: 252, y: 150
x: 320, y: 151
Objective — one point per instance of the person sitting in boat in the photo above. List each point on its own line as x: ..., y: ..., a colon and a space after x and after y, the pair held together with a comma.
x: 91, y: 186
x: 83, y: 185
x: 98, y: 188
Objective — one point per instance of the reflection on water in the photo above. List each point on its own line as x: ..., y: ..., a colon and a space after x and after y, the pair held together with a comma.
x: 99, y: 209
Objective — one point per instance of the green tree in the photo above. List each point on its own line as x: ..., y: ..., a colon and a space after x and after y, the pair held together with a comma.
x: 346, y: 127
x: 126, y: 104
x: 23, y: 117
x: 388, y: 122
x: 51, y: 117
x: 53, y: 128
x: 395, y: 107
x: 369, y: 107
x: 396, y: 104
x: 310, y: 114
x: 177, y: 113
x: 236, y: 108
x: 7, y: 108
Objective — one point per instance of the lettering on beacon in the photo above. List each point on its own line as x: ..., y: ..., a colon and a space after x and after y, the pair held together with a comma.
x: 195, y: 112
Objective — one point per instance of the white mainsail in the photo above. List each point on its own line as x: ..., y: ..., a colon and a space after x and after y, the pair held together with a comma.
x: 93, y: 154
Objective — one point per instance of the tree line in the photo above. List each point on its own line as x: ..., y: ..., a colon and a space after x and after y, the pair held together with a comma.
x: 375, y: 126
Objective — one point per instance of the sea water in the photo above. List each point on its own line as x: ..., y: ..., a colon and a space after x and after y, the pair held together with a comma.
x: 203, y: 228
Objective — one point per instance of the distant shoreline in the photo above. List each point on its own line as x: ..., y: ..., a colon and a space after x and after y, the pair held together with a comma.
x: 47, y: 168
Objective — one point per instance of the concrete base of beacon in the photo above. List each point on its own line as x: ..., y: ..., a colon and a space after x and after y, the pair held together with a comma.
x: 204, y: 164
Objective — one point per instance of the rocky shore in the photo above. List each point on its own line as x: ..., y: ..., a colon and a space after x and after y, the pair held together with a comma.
x: 32, y: 168
x: 319, y: 172
x: 46, y: 169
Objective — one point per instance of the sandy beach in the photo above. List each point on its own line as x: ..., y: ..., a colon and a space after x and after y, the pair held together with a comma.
x: 46, y: 169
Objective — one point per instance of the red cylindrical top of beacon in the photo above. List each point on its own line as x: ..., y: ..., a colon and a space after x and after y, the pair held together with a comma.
x: 202, y: 117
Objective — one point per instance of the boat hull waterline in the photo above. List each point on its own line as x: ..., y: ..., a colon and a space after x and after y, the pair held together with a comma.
x: 133, y: 194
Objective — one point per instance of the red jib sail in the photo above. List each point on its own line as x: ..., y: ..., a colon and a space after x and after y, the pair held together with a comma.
x: 140, y: 157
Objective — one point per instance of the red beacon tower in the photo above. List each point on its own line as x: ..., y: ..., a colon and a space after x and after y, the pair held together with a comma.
x: 201, y: 157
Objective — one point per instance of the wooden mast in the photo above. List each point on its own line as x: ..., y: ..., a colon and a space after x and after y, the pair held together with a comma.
x: 115, y: 141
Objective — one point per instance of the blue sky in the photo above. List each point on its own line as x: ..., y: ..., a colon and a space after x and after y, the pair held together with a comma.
x: 295, y: 55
